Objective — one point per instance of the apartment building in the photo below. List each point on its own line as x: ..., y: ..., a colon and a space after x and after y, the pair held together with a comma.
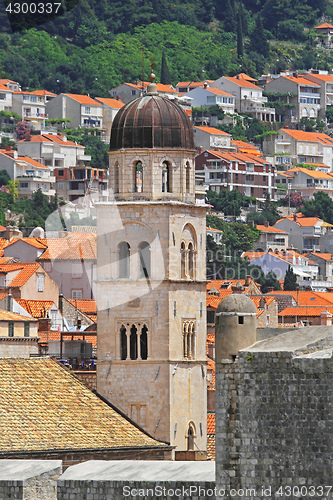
x: 326, y: 90
x: 249, y: 174
x: 210, y: 137
x: 306, y: 182
x: 303, y: 93
x: 31, y: 106
x: 82, y: 110
x: 291, y: 146
x: 31, y: 174
x: 210, y: 96
x: 110, y: 108
x: 248, y: 97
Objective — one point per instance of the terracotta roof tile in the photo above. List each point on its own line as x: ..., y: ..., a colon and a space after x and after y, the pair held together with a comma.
x: 83, y: 99
x: 37, y: 308
x: 308, y: 298
x: 71, y: 248
x: 242, y: 82
x: 324, y: 25
x: 215, y: 91
x: 210, y: 446
x: 10, y: 316
x: 85, y: 305
x: 310, y: 311
x: 34, y: 242
x: 45, y: 407
x: 316, y: 174
x: 211, y: 372
x: 300, y: 135
x: 113, y: 103
x: 210, y: 423
x: 212, y: 130
x: 270, y: 229
x: 26, y: 271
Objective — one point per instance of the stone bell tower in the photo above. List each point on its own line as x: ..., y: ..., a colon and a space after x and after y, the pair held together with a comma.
x: 151, y: 275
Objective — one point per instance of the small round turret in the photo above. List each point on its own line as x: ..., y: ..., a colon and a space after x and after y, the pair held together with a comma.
x: 235, y: 327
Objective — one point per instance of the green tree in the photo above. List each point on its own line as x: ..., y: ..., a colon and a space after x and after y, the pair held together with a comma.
x: 267, y: 281
x: 228, y: 202
x: 12, y: 187
x: 240, y: 51
x: 258, y: 38
x: 329, y: 114
x: 4, y: 178
x: 165, y: 73
x: 320, y: 206
x: 290, y: 280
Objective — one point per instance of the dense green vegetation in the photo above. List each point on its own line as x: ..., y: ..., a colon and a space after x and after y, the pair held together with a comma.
x: 290, y: 280
x: 98, y: 44
x: 320, y: 206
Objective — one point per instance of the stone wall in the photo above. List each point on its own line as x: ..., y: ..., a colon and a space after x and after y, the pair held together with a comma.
x: 29, y: 479
x: 88, y: 378
x: 275, y: 422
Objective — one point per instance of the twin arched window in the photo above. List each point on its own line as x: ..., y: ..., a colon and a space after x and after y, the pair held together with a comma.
x: 124, y: 260
x: 134, y: 341
x: 189, y: 340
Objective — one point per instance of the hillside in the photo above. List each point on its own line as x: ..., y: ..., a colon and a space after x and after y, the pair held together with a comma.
x: 98, y: 44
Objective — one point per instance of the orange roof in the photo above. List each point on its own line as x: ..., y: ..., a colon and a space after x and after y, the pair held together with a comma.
x: 270, y: 229
x: 214, y: 300
x: 34, y: 92
x: 83, y: 99
x: 5, y: 80
x: 113, y: 103
x: 317, y: 174
x: 85, y: 305
x: 301, y: 220
x: 213, y: 229
x: 213, y: 90
x: 308, y: 298
x: 37, y: 308
x: 284, y: 175
x: 242, y: 82
x: 304, y: 311
x: 26, y: 159
x: 10, y: 316
x: 300, y: 135
x: 188, y: 112
x: 27, y: 270
x: 324, y: 25
x: 5, y: 88
x: 211, y: 447
x: 247, y: 77
x: 325, y: 78
x: 165, y: 88
x: 52, y: 138
x: 228, y: 284
x: 210, y: 423
x: 35, y: 242
x: 242, y: 158
x: 300, y: 80
x: 70, y: 248
x: 253, y: 255
x: 244, y: 147
x: 212, y: 130
x: 324, y: 256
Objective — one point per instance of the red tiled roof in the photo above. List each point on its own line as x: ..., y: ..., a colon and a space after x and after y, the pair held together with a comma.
x: 216, y: 91
x: 70, y: 248
x: 300, y: 80
x: 34, y: 242
x: 270, y: 229
x: 308, y: 298
x: 212, y: 130
x: 83, y: 99
x: 211, y: 447
x: 324, y: 256
x: 242, y: 82
x: 300, y: 135
x: 37, y: 308
x: 211, y: 368
x: 26, y: 271
x: 210, y: 423
x: 10, y: 316
x: 301, y: 220
x: 324, y: 25
x: 317, y: 174
x: 304, y: 311
x: 85, y: 305
x: 113, y: 103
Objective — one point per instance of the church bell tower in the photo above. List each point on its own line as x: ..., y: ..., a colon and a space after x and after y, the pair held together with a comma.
x: 151, y: 285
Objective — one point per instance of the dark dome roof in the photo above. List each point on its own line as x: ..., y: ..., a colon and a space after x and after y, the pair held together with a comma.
x: 151, y: 121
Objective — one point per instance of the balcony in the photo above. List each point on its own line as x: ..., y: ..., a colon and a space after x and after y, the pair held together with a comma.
x: 83, y: 157
x: 257, y: 109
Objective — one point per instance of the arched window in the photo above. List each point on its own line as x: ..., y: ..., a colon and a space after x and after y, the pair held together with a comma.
x: 133, y: 343
x: 312, y: 113
x: 190, y: 437
x: 189, y: 340
x: 123, y: 343
x: 187, y: 177
x: 145, y: 264
x: 116, y: 177
x: 304, y: 112
x: 166, y: 178
x: 144, y: 342
x: 182, y: 261
x: 191, y: 263
x: 124, y: 259
x: 138, y: 180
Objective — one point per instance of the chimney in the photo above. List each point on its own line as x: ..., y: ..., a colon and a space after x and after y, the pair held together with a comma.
x: 266, y: 223
x: 60, y: 306
x: 44, y: 324
x: 247, y: 280
x: 326, y: 318
x: 9, y: 148
x: 238, y: 288
x: 200, y: 150
x: 15, y: 155
x: 205, y: 85
x: 295, y: 217
x: 9, y: 301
